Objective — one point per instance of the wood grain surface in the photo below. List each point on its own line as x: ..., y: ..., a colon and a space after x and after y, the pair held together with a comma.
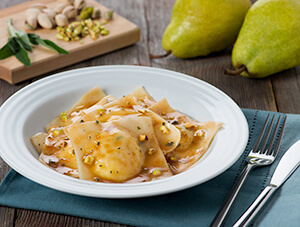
x: 122, y: 33
x: 278, y: 92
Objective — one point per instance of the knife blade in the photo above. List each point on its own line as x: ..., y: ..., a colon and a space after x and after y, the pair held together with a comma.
x: 287, y: 165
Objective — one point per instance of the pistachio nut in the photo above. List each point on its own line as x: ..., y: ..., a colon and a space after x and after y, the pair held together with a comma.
x: 109, y: 15
x: 61, y: 20
x: 70, y: 12
x: 39, y: 6
x: 79, y: 29
x: 60, y: 7
x: 31, y: 22
x: 79, y: 4
x: 96, y: 13
x: 32, y: 12
x: 49, y: 12
x: 45, y: 21
x: 86, y: 13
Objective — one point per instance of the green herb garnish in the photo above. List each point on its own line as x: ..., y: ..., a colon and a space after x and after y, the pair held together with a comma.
x: 19, y: 42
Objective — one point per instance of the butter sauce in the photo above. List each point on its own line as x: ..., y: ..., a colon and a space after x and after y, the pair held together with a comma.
x: 106, y: 143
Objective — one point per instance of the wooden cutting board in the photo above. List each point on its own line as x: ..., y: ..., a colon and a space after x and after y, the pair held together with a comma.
x: 122, y: 33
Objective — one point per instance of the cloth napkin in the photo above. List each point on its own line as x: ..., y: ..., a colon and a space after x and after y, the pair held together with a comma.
x: 196, y: 206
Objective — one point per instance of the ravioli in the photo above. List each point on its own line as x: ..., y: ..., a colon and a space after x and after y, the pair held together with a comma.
x: 114, y: 151
x: 123, y: 140
x: 73, y: 113
x: 195, y: 139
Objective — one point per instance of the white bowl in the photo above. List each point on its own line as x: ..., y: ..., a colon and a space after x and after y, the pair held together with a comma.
x: 30, y: 109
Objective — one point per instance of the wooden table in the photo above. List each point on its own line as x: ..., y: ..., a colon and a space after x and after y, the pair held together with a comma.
x: 279, y: 92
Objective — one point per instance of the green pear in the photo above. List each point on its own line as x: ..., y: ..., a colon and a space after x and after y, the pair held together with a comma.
x: 200, y: 27
x: 269, y: 40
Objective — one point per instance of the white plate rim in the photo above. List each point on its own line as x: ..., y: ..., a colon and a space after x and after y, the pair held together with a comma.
x: 103, y: 190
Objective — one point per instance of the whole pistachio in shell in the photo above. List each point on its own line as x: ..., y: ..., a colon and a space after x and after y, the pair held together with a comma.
x: 45, y: 21
x: 96, y: 13
x: 32, y: 12
x: 70, y: 12
x: 39, y: 6
x: 31, y: 22
x: 61, y: 20
x: 49, y: 12
x: 79, y: 4
x: 68, y: 2
x: 60, y: 7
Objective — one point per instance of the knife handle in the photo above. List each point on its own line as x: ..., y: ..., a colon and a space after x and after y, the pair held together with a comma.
x: 255, y: 207
x: 230, y: 199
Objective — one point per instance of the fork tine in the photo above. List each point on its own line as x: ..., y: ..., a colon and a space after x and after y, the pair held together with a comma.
x: 276, y: 148
x: 269, y: 148
x: 264, y: 143
x: 255, y: 147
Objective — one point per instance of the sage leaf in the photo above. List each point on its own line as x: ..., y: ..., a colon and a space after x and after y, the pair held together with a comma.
x: 51, y: 45
x: 21, y: 53
x: 23, y: 38
x: 11, y: 30
x: 14, y: 44
x: 6, y: 51
x: 33, y: 38
x: 21, y: 35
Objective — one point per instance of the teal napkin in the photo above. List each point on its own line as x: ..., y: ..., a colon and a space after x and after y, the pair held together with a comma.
x: 196, y: 206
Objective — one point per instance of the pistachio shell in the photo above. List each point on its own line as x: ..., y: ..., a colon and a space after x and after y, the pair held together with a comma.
x: 39, y: 6
x: 31, y: 22
x: 67, y: 2
x: 32, y: 12
x: 60, y: 7
x: 79, y: 4
x: 61, y: 20
x: 49, y: 12
x: 96, y: 13
x: 45, y: 21
x: 70, y: 12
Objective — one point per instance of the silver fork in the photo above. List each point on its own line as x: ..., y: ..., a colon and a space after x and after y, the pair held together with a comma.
x: 258, y: 156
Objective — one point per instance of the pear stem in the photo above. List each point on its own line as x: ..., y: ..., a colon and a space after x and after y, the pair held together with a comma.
x: 235, y: 72
x: 160, y: 56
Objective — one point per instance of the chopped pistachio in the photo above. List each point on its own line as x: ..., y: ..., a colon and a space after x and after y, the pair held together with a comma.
x: 89, y: 160
x: 57, y: 132
x: 188, y: 125
x: 164, y: 128
x: 169, y: 144
x: 173, y: 159
x: 156, y: 172
x: 63, y: 116
x: 200, y: 133
x: 143, y: 138
x: 109, y: 15
x: 142, y: 110
x: 151, y: 151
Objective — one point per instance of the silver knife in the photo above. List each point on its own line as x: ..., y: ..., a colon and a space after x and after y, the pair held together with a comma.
x: 287, y: 165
